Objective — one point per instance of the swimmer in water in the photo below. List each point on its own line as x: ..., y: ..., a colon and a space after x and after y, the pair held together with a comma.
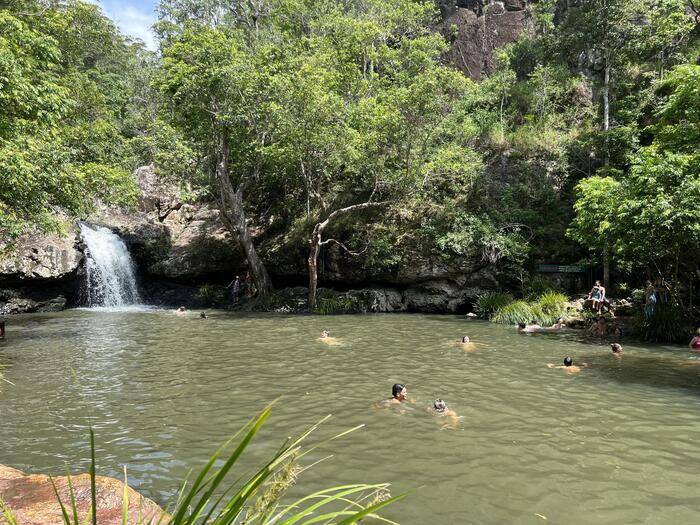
x: 399, y: 394
x: 529, y: 328
x: 467, y: 344
x: 452, y: 420
x: 2, y: 328
x: 569, y: 366
x: 616, y: 349
x: 559, y: 325
x: 181, y: 310
x: 203, y: 315
x: 695, y: 341
x: 326, y: 338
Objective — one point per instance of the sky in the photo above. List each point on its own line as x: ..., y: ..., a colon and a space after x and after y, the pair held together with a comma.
x: 133, y: 17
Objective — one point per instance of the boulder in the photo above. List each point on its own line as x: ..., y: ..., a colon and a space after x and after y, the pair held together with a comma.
x: 200, y: 246
x: 32, y: 500
x: 40, y: 257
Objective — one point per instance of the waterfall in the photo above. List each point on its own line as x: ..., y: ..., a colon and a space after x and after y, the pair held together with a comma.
x: 110, y: 270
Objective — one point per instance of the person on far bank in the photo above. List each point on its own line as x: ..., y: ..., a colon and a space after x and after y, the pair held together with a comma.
x: 649, y: 299
x: 597, y: 295
x: 695, y: 341
x: 235, y: 286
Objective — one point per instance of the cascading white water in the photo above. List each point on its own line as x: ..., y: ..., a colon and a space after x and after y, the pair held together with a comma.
x: 110, y: 270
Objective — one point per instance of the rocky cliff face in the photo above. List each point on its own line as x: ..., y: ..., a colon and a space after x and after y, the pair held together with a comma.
x: 178, y: 245
x: 476, y: 28
x: 184, y: 255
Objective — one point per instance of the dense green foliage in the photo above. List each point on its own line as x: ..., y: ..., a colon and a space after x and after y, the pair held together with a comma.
x: 67, y: 114
x: 340, y: 123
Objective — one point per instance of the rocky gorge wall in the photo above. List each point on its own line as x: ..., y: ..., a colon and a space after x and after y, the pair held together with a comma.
x: 184, y: 255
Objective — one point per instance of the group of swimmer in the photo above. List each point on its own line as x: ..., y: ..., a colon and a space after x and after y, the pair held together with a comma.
x: 449, y: 418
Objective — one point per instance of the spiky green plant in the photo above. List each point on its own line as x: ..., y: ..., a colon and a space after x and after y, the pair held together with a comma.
x: 489, y: 303
x: 212, y: 499
x: 514, y: 313
x: 552, y: 305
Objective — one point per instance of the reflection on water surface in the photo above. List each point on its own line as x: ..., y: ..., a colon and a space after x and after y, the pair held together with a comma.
x: 616, y: 443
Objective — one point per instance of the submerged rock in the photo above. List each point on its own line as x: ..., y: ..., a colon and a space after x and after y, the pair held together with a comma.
x: 32, y: 500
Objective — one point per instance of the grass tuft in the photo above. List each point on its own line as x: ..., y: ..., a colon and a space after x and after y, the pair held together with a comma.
x: 514, y: 313
x: 490, y: 302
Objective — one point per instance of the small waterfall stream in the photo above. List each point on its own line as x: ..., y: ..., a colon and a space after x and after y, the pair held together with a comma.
x: 110, y: 271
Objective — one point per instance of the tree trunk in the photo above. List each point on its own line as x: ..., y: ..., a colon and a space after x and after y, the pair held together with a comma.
x: 235, y: 218
x: 606, y: 271
x: 606, y: 111
x: 316, y: 241
x: 314, y: 250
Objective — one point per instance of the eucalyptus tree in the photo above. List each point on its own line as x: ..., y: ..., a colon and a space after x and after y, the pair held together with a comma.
x: 217, y: 87
x: 362, y: 112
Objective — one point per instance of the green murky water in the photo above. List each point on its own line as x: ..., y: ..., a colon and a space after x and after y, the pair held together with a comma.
x: 618, y: 443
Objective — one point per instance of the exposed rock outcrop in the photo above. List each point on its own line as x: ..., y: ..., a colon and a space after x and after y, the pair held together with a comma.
x: 476, y: 28
x: 32, y: 500
x: 38, y: 257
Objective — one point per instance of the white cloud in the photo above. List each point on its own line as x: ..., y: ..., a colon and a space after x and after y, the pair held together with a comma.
x: 132, y: 20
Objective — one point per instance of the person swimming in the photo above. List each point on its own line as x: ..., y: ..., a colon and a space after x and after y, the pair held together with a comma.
x: 569, y: 366
x: 399, y: 394
x: 695, y: 341
x: 440, y: 408
x: 203, y: 315
x: 326, y: 338
x: 558, y: 325
x: 616, y: 349
x: 529, y: 328
x: 181, y: 310
x: 2, y: 328
x: 465, y: 339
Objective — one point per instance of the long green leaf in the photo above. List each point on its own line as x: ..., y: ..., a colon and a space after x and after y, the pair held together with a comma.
x: 93, y: 475
x: 66, y: 518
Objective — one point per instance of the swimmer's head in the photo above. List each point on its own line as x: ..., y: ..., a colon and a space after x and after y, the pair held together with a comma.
x: 597, y: 283
x: 203, y: 315
x: 568, y: 361
x: 522, y: 326
x: 465, y: 339
x: 325, y: 333
x: 616, y: 348
x: 398, y: 391
x: 560, y: 320
x: 439, y: 405
x: 181, y: 309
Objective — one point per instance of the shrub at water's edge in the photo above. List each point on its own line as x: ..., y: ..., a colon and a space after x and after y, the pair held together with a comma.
x: 667, y: 323
x: 514, y: 313
x: 213, y: 499
x: 545, y: 310
x: 490, y: 302
x: 552, y: 305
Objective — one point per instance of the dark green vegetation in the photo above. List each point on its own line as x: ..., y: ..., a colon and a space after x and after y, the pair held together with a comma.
x: 338, y: 122
x: 211, y: 498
